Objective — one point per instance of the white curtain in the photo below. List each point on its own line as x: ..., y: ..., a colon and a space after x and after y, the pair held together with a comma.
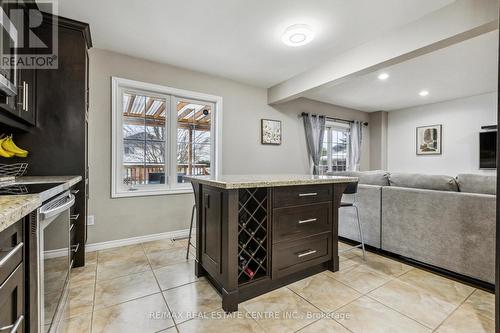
x: 315, y: 131
x: 355, y: 141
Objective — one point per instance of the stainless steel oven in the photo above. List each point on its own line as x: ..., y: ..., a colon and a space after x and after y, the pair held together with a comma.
x: 54, y: 259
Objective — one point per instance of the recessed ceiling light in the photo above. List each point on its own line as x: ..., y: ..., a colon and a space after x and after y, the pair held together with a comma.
x: 297, y: 35
x: 423, y: 93
x: 383, y: 76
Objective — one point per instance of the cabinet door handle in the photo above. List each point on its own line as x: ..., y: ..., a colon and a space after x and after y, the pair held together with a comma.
x: 312, y: 194
x: 307, y: 221
x: 26, y: 94
x: 11, y: 254
x: 14, y: 327
x: 306, y: 253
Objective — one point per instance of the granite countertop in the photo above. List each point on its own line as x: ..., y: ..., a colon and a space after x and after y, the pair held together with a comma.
x: 248, y: 181
x: 15, y: 207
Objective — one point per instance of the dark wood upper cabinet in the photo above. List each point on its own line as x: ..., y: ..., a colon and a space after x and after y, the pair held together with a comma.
x: 19, y: 110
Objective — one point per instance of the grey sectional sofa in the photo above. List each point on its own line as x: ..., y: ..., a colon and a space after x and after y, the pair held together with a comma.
x: 438, y: 220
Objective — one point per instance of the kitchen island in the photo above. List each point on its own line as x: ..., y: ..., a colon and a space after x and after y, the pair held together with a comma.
x: 256, y: 233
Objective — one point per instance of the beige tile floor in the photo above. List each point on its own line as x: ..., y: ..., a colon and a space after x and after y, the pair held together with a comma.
x: 152, y: 288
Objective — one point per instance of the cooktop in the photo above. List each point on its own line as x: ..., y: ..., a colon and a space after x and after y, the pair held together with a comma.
x: 23, y: 188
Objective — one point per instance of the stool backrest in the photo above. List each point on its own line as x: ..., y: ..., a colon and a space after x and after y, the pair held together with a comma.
x: 352, y: 188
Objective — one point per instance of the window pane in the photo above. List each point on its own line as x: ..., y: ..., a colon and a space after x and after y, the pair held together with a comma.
x: 133, y: 151
x: 155, y: 174
x: 133, y: 128
x: 323, y: 162
x: 144, y: 139
x: 339, y: 149
x: 193, y: 138
x: 155, y: 152
x: 155, y: 119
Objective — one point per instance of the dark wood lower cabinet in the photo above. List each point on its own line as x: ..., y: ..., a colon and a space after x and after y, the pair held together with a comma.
x: 12, y: 279
x: 254, y: 240
x: 12, y: 302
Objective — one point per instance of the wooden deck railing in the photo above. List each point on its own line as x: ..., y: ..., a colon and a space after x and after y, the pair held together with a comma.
x: 139, y: 174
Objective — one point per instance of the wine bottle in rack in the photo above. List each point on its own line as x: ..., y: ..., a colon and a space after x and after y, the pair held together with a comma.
x: 249, y: 272
x: 259, y: 240
x: 243, y: 262
x: 252, y: 249
x: 242, y: 244
x: 244, y: 267
x: 260, y: 261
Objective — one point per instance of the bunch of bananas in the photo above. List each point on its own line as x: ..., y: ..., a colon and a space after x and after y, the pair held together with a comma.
x: 9, y: 149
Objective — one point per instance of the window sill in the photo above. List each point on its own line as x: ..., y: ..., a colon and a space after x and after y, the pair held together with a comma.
x: 149, y: 193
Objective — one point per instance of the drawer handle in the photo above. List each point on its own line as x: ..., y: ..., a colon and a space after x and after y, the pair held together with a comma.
x: 306, y: 253
x: 10, y: 255
x: 14, y: 327
x: 312, y: 194
x: 307, y: 221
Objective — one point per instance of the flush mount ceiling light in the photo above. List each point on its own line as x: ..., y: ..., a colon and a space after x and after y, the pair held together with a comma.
x: 423, y: 93
x: 383, y: 76
x: 297, y: 35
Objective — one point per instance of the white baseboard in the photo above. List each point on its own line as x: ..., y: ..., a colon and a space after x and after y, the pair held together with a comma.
x: 136, y: 240
x: 122, y: 242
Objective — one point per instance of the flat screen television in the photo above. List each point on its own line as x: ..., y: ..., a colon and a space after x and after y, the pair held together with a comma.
x: 488, y: 150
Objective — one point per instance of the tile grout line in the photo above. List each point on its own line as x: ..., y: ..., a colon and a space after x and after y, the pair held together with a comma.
x: 159, y: 287
x: 454, y: 310
x: 328, y: 313
x: 322, y: 312
x: 418, y: 288
x: 95, y: 287
x: 392, y: 278
x: 395, y: 310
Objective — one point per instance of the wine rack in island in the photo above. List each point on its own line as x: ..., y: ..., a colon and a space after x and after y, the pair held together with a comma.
x: 252, y: 234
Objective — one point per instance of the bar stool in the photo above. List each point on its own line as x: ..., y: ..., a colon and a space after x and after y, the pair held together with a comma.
x: 190, y: 231
x: 352, y: 189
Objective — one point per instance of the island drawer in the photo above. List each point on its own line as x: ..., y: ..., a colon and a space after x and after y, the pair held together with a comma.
x: 301, y: 195
x: 291, y: 223
x: 294, y: 256
x: 11, y: 249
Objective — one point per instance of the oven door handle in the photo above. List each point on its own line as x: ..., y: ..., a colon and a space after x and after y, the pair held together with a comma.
x: 53, y: 211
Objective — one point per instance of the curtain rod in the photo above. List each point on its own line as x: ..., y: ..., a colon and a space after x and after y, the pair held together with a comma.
x: 335, y: 119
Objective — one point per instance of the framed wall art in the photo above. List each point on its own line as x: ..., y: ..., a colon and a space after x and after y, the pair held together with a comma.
x: 270, y: 132
x: 429, y: 140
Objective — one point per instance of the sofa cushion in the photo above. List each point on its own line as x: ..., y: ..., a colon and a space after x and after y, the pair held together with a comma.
x: 375, y: 177
x: 428, y: 182
x: 472, y: 183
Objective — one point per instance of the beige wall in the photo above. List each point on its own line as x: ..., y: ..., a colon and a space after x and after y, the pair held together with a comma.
x: 242, y: 152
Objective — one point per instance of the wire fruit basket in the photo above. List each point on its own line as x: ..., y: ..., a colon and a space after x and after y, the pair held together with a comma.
x: 13, y: 170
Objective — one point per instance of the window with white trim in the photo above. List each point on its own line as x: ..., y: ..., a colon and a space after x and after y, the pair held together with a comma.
x: 160, y: 135
x: 335, y: 147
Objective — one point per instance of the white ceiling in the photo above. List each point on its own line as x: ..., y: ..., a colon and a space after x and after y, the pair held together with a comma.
x: 240, y: 39
x: 465, y: 69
